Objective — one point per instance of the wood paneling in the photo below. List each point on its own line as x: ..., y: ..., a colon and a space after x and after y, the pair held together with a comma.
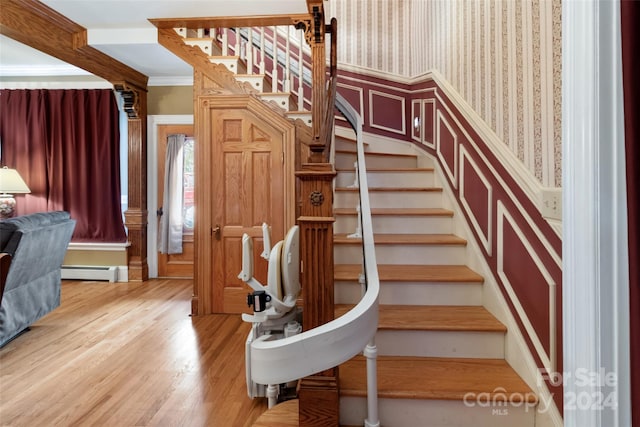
x: 319, y: 400
x: 244, y: 177
x: 229, y: 21
x: 136, y: 214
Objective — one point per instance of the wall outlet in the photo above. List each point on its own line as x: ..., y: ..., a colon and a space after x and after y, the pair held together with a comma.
x: 551, y: 203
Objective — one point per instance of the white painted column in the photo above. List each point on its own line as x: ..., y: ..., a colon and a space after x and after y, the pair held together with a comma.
x: 274, y: 72
x: 249, y: 49
x: 595, y: 251
x: 262, y: 51
x: 225, y: 42
x: 301, y: 70
x: 287, y: 60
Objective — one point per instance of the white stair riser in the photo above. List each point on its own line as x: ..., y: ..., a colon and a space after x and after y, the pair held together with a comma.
x: 230, y: 62
x: 390, y: 179
x: 256, y: 81
x: 403, y: 254
x: 344, y: 145
x: 414, y: 293
x: 204, y: 44
x: 391, y: 199
x: 305, y: 116
x: 346, y: 160
x: 459, y: 344
x: 390, y: 224
x: 282, y: 100
x: 438, y: 413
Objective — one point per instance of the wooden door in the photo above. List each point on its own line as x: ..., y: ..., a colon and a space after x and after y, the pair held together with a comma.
x: 248, y: 186
x: 175, y: 265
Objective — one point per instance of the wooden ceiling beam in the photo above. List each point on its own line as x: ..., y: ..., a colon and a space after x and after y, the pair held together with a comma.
x: 36, y: 25
x: 229, y: 21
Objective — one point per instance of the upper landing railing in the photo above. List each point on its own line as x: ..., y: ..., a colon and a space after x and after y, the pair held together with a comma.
x: 282, y: 55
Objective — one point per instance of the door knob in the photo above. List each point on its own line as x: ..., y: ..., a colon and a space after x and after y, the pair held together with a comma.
x: 216, y: 231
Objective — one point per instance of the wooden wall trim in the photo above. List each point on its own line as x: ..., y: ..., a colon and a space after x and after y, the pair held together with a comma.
x: 229, y: 21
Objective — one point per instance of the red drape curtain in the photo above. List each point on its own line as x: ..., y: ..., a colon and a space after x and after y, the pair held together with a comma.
x: 630, y: 20
x: 65, y: 144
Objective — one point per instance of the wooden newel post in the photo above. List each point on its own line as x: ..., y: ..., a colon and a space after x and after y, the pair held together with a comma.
x: 319, y: 399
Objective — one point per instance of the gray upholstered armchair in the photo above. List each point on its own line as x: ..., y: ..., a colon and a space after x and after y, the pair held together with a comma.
x: 37, y: 244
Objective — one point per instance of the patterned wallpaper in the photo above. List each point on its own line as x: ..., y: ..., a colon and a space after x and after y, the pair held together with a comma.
x: 502, y: 56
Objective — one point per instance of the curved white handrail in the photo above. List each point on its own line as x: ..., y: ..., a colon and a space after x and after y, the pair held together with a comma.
x: 329, y: 345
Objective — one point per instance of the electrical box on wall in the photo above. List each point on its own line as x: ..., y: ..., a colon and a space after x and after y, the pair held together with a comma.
x: 551, y: 203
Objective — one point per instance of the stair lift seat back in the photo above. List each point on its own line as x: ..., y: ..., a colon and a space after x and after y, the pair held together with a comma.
x: 291, y: 263
x: 283, y: 285
x: 274, y: 273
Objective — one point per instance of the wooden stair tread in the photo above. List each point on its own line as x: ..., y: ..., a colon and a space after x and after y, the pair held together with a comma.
x: 388, y: 169
x: 284, y: 414
x: 375, y: 153
x: 224, y: 57
x: 411, y: 273
x: 241, y: 75
x: 392, y: 189
x: 416, y: 239
x: 398, y: 211
x: 436, y: 378
x: 433, y: 318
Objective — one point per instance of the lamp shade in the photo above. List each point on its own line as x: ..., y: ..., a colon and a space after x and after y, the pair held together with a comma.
x: 11, y: 182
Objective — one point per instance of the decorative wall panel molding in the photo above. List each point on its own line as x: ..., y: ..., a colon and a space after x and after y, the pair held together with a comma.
x: 428, y: 122
x: 476, y: 197
x: 387, y: 112
x: 524, y: 287
x: 353, y: 94
x: 447, y: 147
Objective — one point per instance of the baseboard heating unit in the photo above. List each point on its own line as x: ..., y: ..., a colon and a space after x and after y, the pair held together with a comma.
x: 88, y: 272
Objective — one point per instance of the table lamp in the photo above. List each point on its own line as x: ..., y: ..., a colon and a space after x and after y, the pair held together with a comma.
x: 10, y: 183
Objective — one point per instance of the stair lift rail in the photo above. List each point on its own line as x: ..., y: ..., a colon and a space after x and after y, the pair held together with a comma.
x: 281, y: 360
x: 275, y: 361
x: 369, y: 277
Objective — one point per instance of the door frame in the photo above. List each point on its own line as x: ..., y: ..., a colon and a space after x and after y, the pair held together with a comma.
x: 152, y: 181
x: 204, y: 301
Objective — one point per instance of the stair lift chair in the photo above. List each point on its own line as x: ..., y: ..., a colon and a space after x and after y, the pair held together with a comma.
x: 275, y: 314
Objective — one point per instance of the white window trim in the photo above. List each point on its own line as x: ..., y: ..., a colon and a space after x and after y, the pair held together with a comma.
x: 595, y: 248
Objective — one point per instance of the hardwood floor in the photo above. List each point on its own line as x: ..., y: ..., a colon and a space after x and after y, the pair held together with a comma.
x: 127, y: 354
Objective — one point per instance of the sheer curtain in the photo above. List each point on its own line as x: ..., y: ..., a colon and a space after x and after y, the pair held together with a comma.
x: 630, y: 18
x: 65, y: 144
x: 170, y: 235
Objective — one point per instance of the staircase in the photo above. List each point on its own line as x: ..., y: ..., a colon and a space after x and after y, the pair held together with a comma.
x: 441, y: 354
